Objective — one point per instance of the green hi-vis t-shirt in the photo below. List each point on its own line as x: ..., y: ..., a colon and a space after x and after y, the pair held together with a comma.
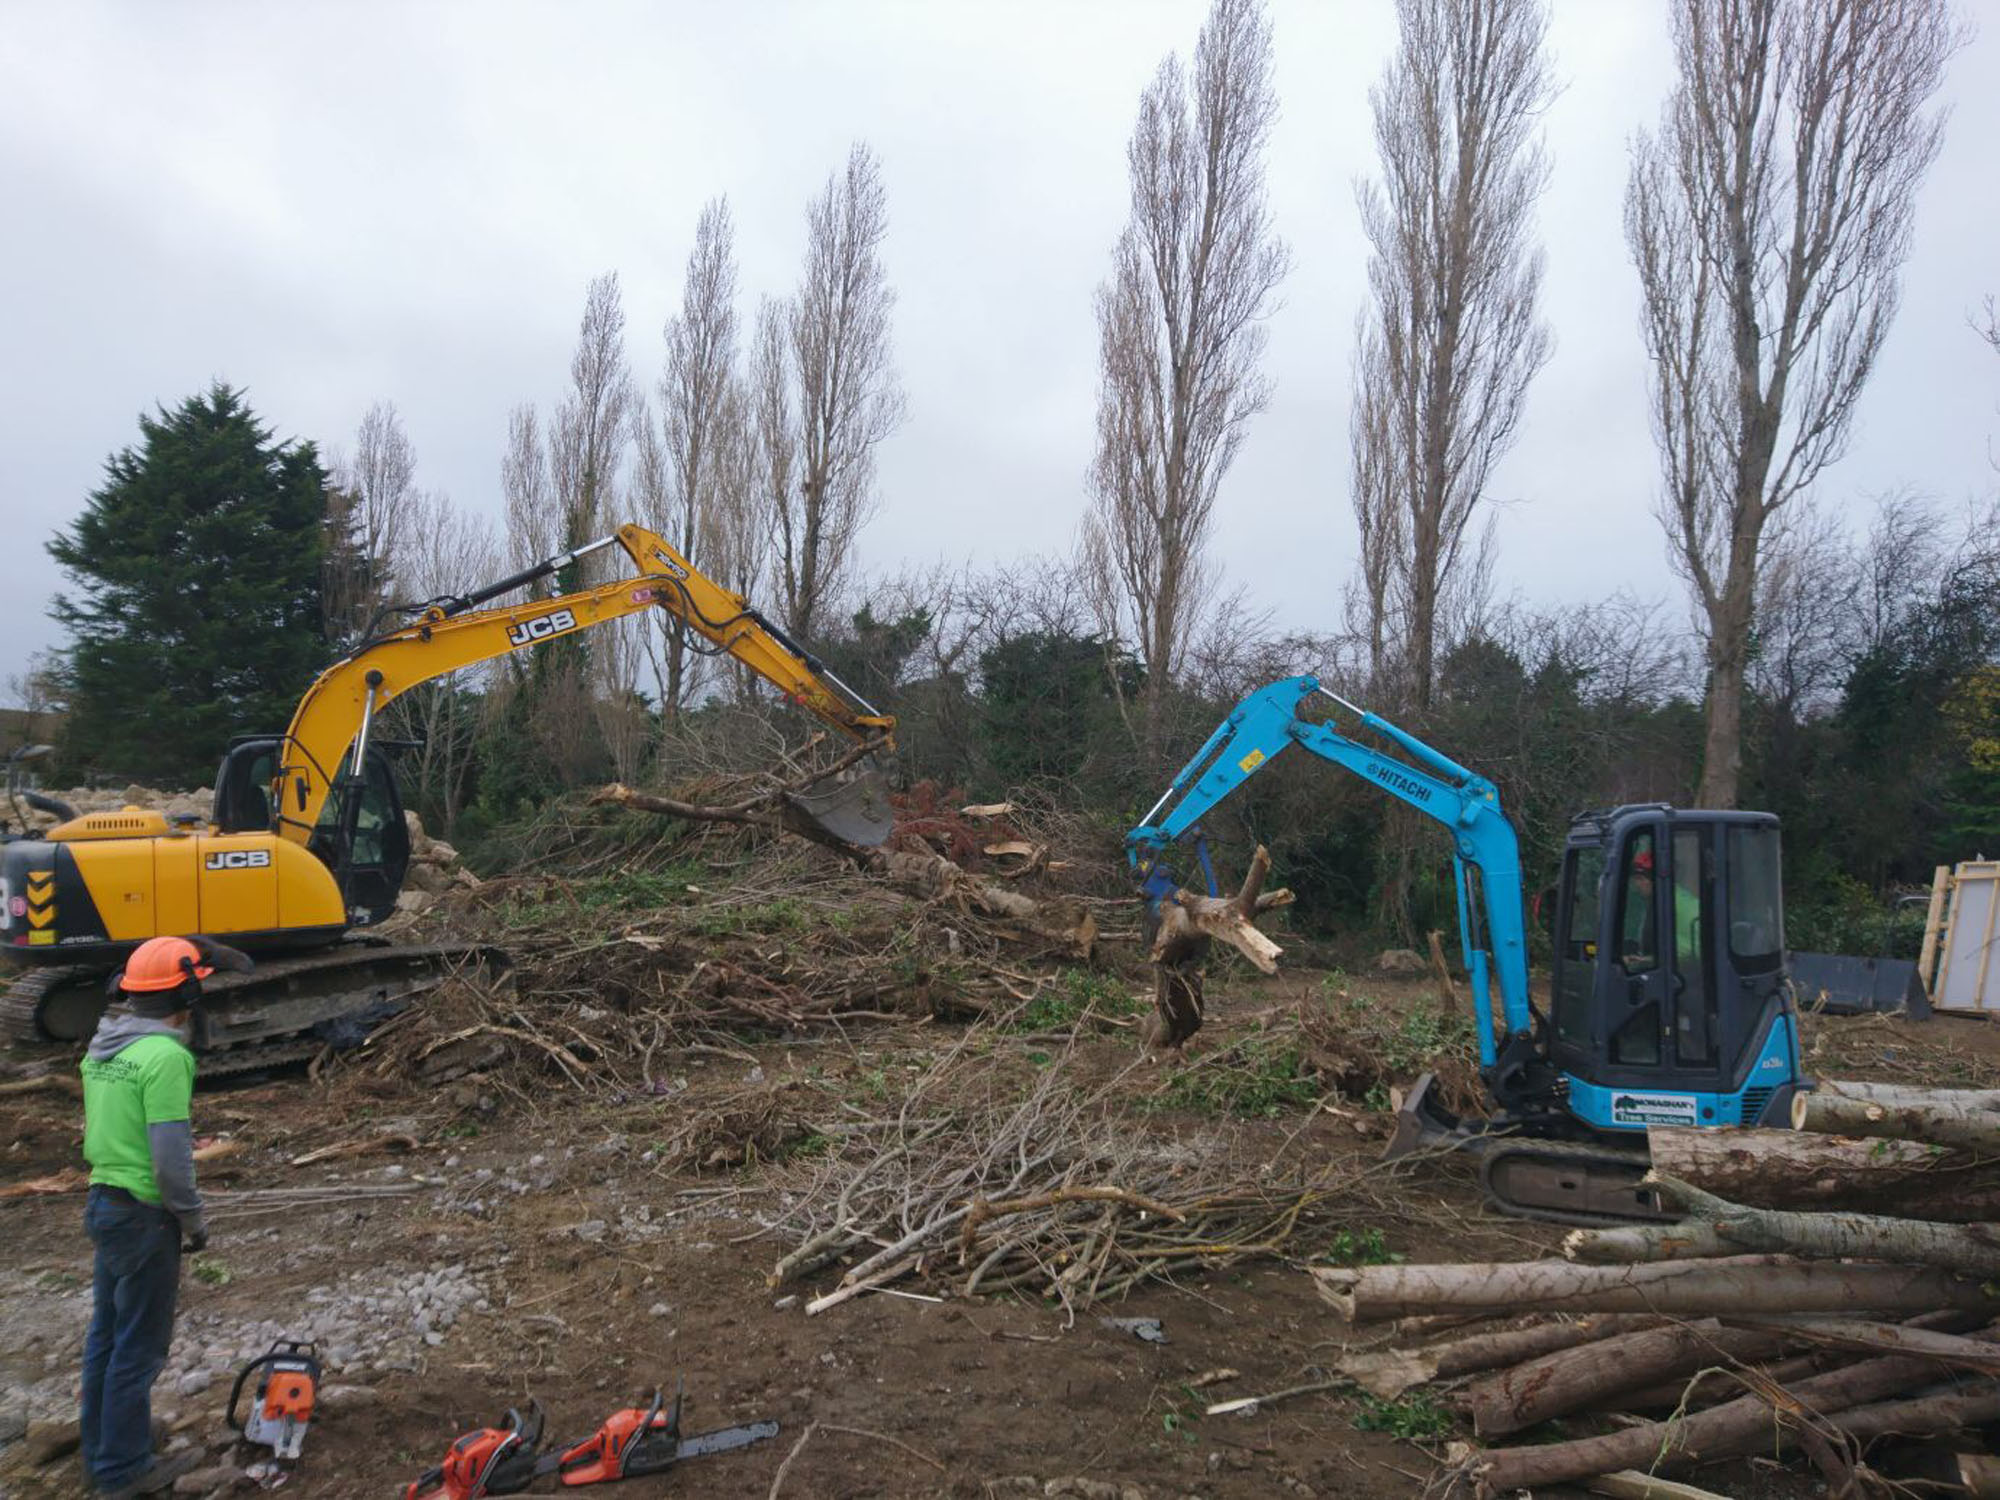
x: 149, y: 1082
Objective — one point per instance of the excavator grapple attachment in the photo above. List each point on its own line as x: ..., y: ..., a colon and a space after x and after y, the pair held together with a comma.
x: 855, y: 810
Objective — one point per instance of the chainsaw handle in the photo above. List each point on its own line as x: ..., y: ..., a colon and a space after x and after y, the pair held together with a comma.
x: 282, y: 1349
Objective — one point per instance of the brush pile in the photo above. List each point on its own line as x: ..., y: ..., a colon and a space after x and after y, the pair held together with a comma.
x: 1766, y: 1319
x: 978, y: 1180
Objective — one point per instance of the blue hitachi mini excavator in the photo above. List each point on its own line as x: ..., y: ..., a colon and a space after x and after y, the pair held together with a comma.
x: 1670, y: 999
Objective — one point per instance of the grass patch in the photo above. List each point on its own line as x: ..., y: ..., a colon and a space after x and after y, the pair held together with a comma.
x: 1413, y: 1418
x: 209, y: 1271
x: 1359, y: 1247
x: 1074, y: 994
x: 1258, y: 1077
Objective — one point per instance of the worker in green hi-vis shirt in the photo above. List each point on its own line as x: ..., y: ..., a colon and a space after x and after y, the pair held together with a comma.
x: 138, y: 1084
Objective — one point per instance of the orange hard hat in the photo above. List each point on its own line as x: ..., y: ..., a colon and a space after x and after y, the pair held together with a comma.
x: 163, y: 963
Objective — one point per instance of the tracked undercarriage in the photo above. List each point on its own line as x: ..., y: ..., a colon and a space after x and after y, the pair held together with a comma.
x: 1570, y: 1179
x: 286, y: 1010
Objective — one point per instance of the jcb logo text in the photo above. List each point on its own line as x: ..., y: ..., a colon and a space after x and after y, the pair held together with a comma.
x: 542, y: 627
x: 239, y: 859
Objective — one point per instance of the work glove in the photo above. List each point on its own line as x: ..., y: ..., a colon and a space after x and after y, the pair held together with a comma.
x: 197, y: 1238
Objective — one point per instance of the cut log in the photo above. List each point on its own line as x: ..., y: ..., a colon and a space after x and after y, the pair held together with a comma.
x: 1712, y: 1386
x: 1941, y: 1123
x: 1571, y: 1379
x: 1390, y: 1372
x: 1871, y: 1337
x: 1799, y: 1169
x: 1709, y: 1288
x: 1900, y: 1095
x: 1719, y: 1227
x: 1721, y: 1432
x: 1189, y: 924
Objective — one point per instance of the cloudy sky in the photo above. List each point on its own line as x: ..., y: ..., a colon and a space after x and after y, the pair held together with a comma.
x: 334, y: 204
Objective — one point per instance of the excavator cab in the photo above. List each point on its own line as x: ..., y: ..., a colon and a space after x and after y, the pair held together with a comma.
x: 360, y: 834
x: 1669, y: 997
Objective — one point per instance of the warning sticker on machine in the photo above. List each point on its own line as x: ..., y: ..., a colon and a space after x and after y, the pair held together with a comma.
x: 1652, y: 1109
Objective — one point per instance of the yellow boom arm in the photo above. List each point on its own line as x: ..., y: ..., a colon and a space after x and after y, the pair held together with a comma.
x: 339, y: 708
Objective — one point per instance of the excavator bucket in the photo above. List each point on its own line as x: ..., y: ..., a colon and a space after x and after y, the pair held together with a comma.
x: 854, y: 809
x: 1424, y: 1124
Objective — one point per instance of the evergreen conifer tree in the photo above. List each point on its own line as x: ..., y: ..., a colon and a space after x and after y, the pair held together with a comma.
x: 195, y: 603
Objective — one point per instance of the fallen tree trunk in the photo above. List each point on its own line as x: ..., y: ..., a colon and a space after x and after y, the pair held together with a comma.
x: 1572, y: 1379
x: 1719, y: 1227
x: 1390, y: 1372
x: 1870, y: 1337
x: 1902, y: 1094
x: 1707, y: 1288
x: 1189, y: 924
x: 1720, y: 1432
x: 1941, y: 1123
x: 1802, y: 1170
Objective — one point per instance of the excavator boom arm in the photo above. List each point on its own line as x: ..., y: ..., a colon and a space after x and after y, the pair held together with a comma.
x: 339, y: 709
x: 1492, y: 925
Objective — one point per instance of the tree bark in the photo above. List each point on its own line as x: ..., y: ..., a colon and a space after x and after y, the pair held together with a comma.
x: 1899, y: 1094
x: 1572, y: 1379
x: 1189, y: 923
x: 1390, y: 1372
x: 1794, y: 1169
x: 1940, y: 1123
x: 1725, y: 1430
x: 1719, y: 1227
x: 1868, y: 1336
x: 1745, y: 1284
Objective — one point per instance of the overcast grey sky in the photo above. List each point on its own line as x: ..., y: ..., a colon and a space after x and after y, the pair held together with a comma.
x: 333, y: 204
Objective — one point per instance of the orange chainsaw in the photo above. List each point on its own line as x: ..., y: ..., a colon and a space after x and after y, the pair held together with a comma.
x: 639, y: 1440
x: 283, y: 1404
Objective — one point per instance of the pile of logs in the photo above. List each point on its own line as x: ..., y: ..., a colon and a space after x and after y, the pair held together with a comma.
x: 1827, y: 1286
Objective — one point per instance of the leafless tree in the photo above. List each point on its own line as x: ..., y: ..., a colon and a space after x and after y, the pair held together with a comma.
x: 534, y: 525
x: 1180, y: 334
x: 695, y: 404
x: 587, y: 440
x: 1452, y: 338
x: 365, y: 507
x: 848, y: 397
x: 1809, y: 593
x: 1769, y: 217
x: 441, y: 551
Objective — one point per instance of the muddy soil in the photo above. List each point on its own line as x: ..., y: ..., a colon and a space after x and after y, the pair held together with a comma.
x: 566, y: 1247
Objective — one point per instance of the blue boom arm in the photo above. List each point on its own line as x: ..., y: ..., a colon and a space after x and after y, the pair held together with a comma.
x: 1267, y: 723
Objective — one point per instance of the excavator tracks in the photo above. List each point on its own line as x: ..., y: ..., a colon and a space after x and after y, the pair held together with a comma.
x: 286, y: 1010
x: 1568, y: 1182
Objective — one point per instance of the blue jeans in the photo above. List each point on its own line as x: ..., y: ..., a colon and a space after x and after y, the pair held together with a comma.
x: 131, y: 1326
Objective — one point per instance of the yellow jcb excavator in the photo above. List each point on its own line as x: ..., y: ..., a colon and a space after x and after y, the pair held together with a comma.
x: 306, y: 847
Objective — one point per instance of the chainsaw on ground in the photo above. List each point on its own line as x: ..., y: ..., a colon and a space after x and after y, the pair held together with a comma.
x: 639, y: 1440
x: 283, y: 1406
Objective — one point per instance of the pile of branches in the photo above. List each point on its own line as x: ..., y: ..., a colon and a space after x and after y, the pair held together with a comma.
x: 1766, y: 1317
x: 978, y: 1185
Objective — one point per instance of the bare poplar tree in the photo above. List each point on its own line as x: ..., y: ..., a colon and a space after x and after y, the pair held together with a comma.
x: 1769, y: 217
x: 441, y: 551
x: 1180, y: 333
x: 587, y: 441
x: 534, y: 527
x: 847, y: 392
x: 366, y: 502
x: 1452, y: 338
x: 695, y: 397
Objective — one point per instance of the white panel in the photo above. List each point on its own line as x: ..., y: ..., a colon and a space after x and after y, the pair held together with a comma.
x: 1969, y: 974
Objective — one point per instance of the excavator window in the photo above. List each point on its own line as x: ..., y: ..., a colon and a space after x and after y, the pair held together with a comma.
x: 1756, y: 900
x: 1576, y: 955
x: 1635, y: 1040
x: 1694, y: 1005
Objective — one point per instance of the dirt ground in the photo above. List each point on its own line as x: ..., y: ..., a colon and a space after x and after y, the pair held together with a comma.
x: 565, y: 1245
